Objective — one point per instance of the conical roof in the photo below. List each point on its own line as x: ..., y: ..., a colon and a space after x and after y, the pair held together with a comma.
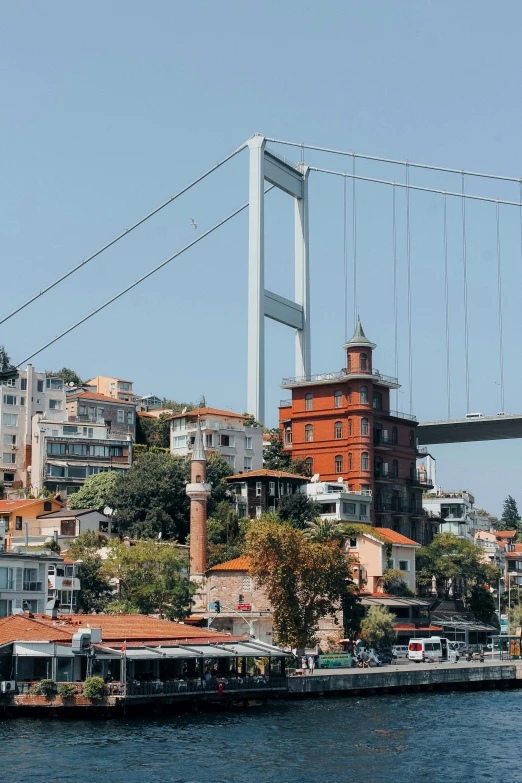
x: 198, y: 449
x: 359, y: 338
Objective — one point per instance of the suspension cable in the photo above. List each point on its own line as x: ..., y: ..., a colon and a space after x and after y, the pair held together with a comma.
x: 354, y: 234
x: 465, y: 279
x: 395, y: 308
x: 140, y: 279
x: 520, y: 218
x: 345, y: 262
x: 416, y: 187
x: 393, y: 161
x: 123, y: 234
x: 446, y: 299
x: 500, y: 335
x: 408, y: 262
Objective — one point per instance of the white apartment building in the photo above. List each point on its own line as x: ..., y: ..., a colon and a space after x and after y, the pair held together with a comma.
x: 455, y: 510
x: 28, y: 582
x: 223, y: 432
x: 339, y: 502
x: 492, y: 552
x: 21, y: 398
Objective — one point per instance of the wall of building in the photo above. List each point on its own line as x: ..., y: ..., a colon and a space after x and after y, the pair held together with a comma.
x: 228, y: 587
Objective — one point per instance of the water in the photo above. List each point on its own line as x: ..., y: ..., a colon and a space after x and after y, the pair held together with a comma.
x: 430, y: 737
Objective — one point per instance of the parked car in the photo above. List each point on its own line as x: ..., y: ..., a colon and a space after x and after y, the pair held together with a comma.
x: 400, y: 650
x: 460, y: 647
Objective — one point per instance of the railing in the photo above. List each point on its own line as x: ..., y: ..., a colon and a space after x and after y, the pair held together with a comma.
x: 383, y: 439
x: 285, y: 403
x: 422, y: 450
x: 32, y: 587
x: 384, y: 474
x: 390, y: 506
x: 325, y: 377
x: 420, y: 478
x: 197, y: 685
x: 400, y: 415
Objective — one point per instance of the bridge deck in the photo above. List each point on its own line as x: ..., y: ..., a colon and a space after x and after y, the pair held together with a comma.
x: 502, y: 427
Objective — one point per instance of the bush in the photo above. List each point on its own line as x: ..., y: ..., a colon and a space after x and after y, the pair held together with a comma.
x: 45, y: 688
x: 94, y: 688
x: 66, y: 690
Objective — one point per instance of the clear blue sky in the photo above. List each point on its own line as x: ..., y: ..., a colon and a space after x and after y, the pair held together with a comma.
x: 110, y: 107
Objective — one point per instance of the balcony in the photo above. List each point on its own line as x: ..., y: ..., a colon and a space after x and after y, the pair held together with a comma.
x: 32, y: 587
x: 285, y: 403
x: 63, y: 582
x: 390, y: 506
x: 381, y: 474
x: 328, y: 377
x: 400, y: 415
x: 384, y: 439
x: 420, y: 479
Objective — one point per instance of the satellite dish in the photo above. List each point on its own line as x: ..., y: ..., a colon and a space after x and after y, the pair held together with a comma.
x: 340, y: 480
x: 315, y: 478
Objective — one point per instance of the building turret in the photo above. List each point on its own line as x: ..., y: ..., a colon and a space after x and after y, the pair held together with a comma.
x: 359, y: 352
x: 198, y: 491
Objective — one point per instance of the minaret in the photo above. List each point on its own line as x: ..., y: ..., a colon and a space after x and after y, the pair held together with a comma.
x: 198, y: 492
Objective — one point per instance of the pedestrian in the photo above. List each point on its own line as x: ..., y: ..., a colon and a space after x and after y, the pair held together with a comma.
x: 311, y: 663
x: 304, y: 665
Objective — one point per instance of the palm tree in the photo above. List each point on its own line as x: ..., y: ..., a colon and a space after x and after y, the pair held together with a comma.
x: 323, y: 529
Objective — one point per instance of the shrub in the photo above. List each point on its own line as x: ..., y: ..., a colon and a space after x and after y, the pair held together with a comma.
x: 94, y: 688
x: 66, y: 690
x: 45, y: 688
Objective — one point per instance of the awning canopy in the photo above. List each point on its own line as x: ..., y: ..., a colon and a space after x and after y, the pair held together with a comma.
x: 462, y: 622
x: 246, y: 649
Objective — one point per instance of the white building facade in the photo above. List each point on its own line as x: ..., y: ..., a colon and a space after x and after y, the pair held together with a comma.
x: 223, y: 432
x: 455, y: 510
x: 28, y: 582
x: 338, y: 502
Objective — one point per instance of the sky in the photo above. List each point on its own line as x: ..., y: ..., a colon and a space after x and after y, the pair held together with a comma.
x: 109, y: 108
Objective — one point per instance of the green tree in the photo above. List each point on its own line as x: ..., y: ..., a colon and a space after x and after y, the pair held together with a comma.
x: 152, y: 579
x: 482, y: 604
x: 378, y: 627
x: 448, y: 558
x: 95, y: 491
x: 298, y: 510
x: 86, y: 543
x: 303, y: 580
x: 69, y: 376
x: 394, y: 583
x: 5, y: 360
x: 276, y: 458
x: 251, y: 421
x: 177, y: 407
x: 324, y: 529
x: 153, y: 431
x: 95, y: 587
x: 352, y: 614
x: 510, y: 519
x: 514, y: 619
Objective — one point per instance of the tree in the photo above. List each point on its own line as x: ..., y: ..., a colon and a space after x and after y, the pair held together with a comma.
x: 5, y: 359
x: 69, y: 376
x: 394, y: 583
x: 95, y: 491
x: 177, y: 407
x: 304, y: 580
x: 276, y: 458
x: 87, y: 543
x: 153, y: 431
x: 510, y: 519
x: 298, y: 510
x: 482, y: 604
x: 251, y: 421
x: 448, y: 558
x: 352, y: 614
x: 324, y: 529
x: 152, y: 579
x: 225, y: 535
x: 378, y: 627
x: 95, y: 587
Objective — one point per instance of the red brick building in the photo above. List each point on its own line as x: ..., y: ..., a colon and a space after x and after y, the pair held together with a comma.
x: 342, y: 425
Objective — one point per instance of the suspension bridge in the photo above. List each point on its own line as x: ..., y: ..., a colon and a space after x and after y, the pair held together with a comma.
x: 269, y: 169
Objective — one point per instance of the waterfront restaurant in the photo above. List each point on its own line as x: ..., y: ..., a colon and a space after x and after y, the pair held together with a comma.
x: 129, y: 650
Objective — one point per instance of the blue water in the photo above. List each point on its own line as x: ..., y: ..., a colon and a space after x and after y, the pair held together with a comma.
x: 429, y: 737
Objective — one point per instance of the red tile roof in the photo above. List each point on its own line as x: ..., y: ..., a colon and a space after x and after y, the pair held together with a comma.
x: 11, y: 505
x: 505, y: 533
x: 209, y: 412
x: 238, y: 564
x: 95, y: 396
x: 115, y: 628
x: 266, y: 473
x: 412, y: 627
x: 393, y: 537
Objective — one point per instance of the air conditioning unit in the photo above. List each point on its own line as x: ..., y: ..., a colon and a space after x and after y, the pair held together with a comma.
x: 7, y: 686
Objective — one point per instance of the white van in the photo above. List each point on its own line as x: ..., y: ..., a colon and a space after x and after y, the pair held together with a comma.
x: 432, y: 650
x: 474, y: 415
x: 460, y: 647
x: 400, y: 650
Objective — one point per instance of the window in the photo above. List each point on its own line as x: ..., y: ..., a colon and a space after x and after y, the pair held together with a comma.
x: 116, y: 451
x: 56, y: 448
x: 99, y: 451
x: 364, y: 461
x: 348, y: 363
x: 121, y: 417
x: 67, y: 527
x: 8, y: 478
x: 55, y: 405
x: 23, y: 384
x: 248, y: 443
x: 77, y: 450
x: 363, y: 362
x: 9, y: 458
x: 70, y: 429
x: 364, y: 426
x: 39, y: 386
x: 9, y: 440
x: 309, y: 433
x: 363, y: 394
x: 22, y: 400
x: 129, y: 417
x: 412, y: 438
x: 180, y: 441
x: 18, y: 523
x: 6, y: 578
x: 338, y: 399
x: 54, y: 383
x: 226, y: 440
x: 309, y: 466
x: 288, y: 436
x: 248, y: 463
x: 77, y: 471
x: 9, y: 399
x: 350, y: 461
x: 404, y: 565
x: 363, y: 510
x: 271, y: 488
x: 92, y: 412
x: 48, y: 506
x: 88, y: 431
x: 230, y: 459
x: 208, y: 439
x: 395, y: 468
x: 10, y: 419
x: 349, y: 396
x: 395, y: 435
x: 246, y: 584
x: 308, y: 402
x: 56, y: 471
x: 338, y: 429
x: 338, y: 464
x: 259, y: 487
x: 412, y: 471
x: 377, y: 401
x: 350, y: 428
x: 349, y: 508
x: 126, y: 387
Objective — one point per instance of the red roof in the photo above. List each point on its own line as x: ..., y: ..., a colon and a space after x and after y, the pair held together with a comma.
x: 115, y: 628
x: 238, y: 564
x: 412, y: 627
x: 505, y: 533
x: 393, y: 537
x: 209, y: 412
x: 95, y: 396
x: 11, y: 505
x: 267, y: 474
